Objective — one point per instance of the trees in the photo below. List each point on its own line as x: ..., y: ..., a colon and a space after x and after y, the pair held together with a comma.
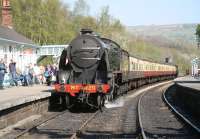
x: 49, y: 22
x: 81, y: 8
x: 109, y: 26
x: 198, y: 35
x: 43, y: 21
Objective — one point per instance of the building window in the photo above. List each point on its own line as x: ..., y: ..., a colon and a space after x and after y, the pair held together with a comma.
x: 10, y: 49
x: 4, y: 50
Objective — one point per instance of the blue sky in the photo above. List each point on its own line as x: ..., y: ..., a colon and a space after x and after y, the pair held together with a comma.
x: 148, y: 12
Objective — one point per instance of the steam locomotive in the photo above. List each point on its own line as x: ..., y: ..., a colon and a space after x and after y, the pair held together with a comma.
x: 94, y: 69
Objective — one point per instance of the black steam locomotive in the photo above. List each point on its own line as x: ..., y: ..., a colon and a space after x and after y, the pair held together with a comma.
x: 93, y: 69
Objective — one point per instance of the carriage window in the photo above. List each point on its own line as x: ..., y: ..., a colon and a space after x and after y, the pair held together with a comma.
x: 133, y: 66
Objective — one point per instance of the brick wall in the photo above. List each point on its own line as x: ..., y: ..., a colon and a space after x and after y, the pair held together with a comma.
x: 6, y: 14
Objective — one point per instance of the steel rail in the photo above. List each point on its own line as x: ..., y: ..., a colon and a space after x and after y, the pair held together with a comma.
x: 74, y: 136
x: 179, y: 114
x: 38, y: 124
x: 139, y: 106
x: 139, y: 117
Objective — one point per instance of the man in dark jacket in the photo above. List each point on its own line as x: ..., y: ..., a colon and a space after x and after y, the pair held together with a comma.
x: 2, y: 72
x: 12, y: 69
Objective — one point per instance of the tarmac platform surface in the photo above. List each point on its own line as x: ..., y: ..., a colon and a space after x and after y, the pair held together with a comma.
x: 188, y: 81
x: 15, y: 96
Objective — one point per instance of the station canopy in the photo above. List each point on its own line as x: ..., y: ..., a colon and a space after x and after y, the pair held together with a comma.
x: 11, y: 37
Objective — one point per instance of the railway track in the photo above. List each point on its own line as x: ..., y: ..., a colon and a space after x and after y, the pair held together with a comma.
x: 70, y: 128
x: 34, y: 126
x: 157, y: 121
x: 115, y: 122
x: 180, y: 112
x: 118, y: 120
x: 74, y: 136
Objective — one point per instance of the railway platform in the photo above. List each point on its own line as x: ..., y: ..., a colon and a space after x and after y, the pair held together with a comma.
x: 189, y: 82
x: 15, y: 96
x: 21, y: 103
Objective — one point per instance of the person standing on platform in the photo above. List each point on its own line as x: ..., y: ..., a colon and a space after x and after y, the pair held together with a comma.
x: 54, y: 70
x: 12, y: 70
x: 31, y: 72
x: 48, y: 74
x: 36, y: 74
x: 2, y: 72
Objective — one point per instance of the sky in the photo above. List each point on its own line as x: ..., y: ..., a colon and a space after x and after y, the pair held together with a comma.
x: 147, y: 12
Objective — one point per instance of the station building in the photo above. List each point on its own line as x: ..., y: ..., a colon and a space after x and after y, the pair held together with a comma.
x: 12, y: 44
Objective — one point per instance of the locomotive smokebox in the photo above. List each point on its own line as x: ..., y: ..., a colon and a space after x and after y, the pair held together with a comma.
x: 87, y: 51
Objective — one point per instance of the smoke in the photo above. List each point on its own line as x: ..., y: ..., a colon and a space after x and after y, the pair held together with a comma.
x: 116, y: 103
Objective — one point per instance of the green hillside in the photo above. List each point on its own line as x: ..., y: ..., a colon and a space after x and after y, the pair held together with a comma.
x: 175, y: 41
x: 182, y: 33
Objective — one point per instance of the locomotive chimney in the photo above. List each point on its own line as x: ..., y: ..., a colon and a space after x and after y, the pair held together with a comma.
x: 86, y: 31
x: 6, y: 14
